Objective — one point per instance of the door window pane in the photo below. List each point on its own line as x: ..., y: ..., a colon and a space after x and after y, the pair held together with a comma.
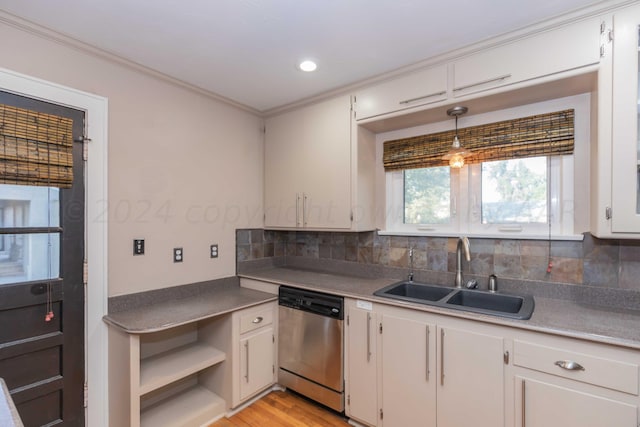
x: 427, y: 196
x: 26, y: 206
x: 25, y: 257
x: 514, y: 191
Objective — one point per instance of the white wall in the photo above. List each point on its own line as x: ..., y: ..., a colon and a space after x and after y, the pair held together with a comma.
x: 185, y: 170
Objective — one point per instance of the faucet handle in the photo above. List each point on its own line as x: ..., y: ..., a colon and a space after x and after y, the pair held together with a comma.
x: 472, y: 284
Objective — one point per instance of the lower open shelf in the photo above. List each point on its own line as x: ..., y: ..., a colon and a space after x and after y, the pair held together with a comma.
x: 192, y: 407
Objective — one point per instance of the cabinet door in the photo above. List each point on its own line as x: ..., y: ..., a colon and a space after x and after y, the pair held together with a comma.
x: 549, y: 52
x: 326, y: 173
x: 256, y: 362
x: 413, y: 90
x: 541, y: 404
x: 625, y: 215
x: 282, y: 170
x: 362, y: 385
x: 470, y: 379
x: 408, y: 372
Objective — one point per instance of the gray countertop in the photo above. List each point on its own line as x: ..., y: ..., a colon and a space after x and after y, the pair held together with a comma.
x: 217, y: 300
x: 555, y: 316
x: 8, y: 414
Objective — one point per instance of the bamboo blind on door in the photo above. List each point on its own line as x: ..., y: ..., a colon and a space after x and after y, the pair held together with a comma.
x: 35, y: 148
x: 539, y: 135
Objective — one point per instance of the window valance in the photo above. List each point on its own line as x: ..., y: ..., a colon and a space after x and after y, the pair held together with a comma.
x: 539, y: 135
x: 35, y: 148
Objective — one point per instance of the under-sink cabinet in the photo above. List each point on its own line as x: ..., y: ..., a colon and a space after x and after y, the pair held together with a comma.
x: 190, y: 374
x: 406, y: 367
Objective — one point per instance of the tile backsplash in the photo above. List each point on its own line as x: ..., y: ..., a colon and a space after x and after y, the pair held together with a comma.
x: 594, y: 262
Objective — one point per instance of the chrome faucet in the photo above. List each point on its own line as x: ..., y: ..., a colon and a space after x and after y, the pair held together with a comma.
x: 410, y: 264
x: 463, y: 243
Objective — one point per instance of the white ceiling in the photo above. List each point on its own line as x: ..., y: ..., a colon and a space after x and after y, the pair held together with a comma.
x: 247, y: 50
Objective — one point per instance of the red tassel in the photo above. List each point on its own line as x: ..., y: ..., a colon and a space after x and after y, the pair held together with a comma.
x: 549, y: 267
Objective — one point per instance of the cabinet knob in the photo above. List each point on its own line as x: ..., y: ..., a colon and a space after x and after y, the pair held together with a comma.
x: 257, y: 319
x: 569, y: 365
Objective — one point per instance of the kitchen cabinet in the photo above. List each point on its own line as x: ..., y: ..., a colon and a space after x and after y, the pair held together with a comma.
x: 470, y: 370
x: 443, y: 362
x: 409, y: 375
x: 545, y: 53
x: 361, y: 362
x: 254, y: 336
x: 168, y: 377
x: 191, y: 374
x: 308, y: 167
x: 623, y: 139
x: 413, y: 90
x: 615, y: 181
x: 571, y: 384
x: 319, y: 171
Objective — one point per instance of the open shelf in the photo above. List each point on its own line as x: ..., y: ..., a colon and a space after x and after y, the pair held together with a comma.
x: 164, y: 368
x: 194, y: 406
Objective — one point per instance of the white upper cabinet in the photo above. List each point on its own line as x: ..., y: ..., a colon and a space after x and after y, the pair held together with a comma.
x: 413, y: 90
x: 318, y: 173
x: 549, y: 52
x: 625, y: 200
x: 615, y: 208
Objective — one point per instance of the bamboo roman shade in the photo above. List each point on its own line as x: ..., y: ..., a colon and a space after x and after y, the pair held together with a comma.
x: 539, y: 135
x: 35, y: 148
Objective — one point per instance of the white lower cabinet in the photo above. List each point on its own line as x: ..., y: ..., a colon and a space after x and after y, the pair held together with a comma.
x: 545, y: 404
x: 253, y: 331
x: 566, y: 383
x: 409, y: 376
x: 410, y: 368
x: 471, y: 376
x: 361, y: 367
x: 190, y: 374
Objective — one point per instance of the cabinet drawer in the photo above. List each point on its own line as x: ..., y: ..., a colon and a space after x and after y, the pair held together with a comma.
x: 582, y: 367
x: 256, y: 319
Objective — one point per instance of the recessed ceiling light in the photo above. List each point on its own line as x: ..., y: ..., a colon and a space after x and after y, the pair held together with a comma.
x: 308, y: 66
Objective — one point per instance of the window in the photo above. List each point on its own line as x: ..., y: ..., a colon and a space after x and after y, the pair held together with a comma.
x: 516, y: 197
x: 25, y: 253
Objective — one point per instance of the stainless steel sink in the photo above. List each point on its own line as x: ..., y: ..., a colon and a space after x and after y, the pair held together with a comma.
x: 497, y: 304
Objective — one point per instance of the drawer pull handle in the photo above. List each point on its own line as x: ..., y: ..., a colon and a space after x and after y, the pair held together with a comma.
x: 257, y: 320
x: 569, y: 365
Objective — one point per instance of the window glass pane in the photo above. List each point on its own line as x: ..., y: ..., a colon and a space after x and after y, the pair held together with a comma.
x: 24, y: 257
x: 514, y: 191
x: 427, y: 196
x: 26, y: 206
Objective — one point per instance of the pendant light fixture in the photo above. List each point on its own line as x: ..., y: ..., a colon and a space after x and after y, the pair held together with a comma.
x: 456, y: 154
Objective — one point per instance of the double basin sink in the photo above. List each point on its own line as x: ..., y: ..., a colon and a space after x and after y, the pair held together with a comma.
x: 497, y: 304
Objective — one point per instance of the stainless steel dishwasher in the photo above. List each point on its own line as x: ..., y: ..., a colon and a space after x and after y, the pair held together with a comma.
x: 310, y: 345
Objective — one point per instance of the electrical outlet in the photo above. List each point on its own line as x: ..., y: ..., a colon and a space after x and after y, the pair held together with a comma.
x: 178, y: 255
x: 138, y: 246
x: 214, y: 251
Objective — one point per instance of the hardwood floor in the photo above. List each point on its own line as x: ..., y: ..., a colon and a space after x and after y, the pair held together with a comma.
x: 281, y: 408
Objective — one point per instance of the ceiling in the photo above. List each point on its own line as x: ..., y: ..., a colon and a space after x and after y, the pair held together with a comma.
x: 247, y: 50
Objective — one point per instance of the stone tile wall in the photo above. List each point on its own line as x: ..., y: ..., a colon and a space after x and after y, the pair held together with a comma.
x: 593, y: 262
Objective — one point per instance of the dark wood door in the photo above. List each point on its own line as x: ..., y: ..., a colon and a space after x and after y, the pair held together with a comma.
x: 42, y: 361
